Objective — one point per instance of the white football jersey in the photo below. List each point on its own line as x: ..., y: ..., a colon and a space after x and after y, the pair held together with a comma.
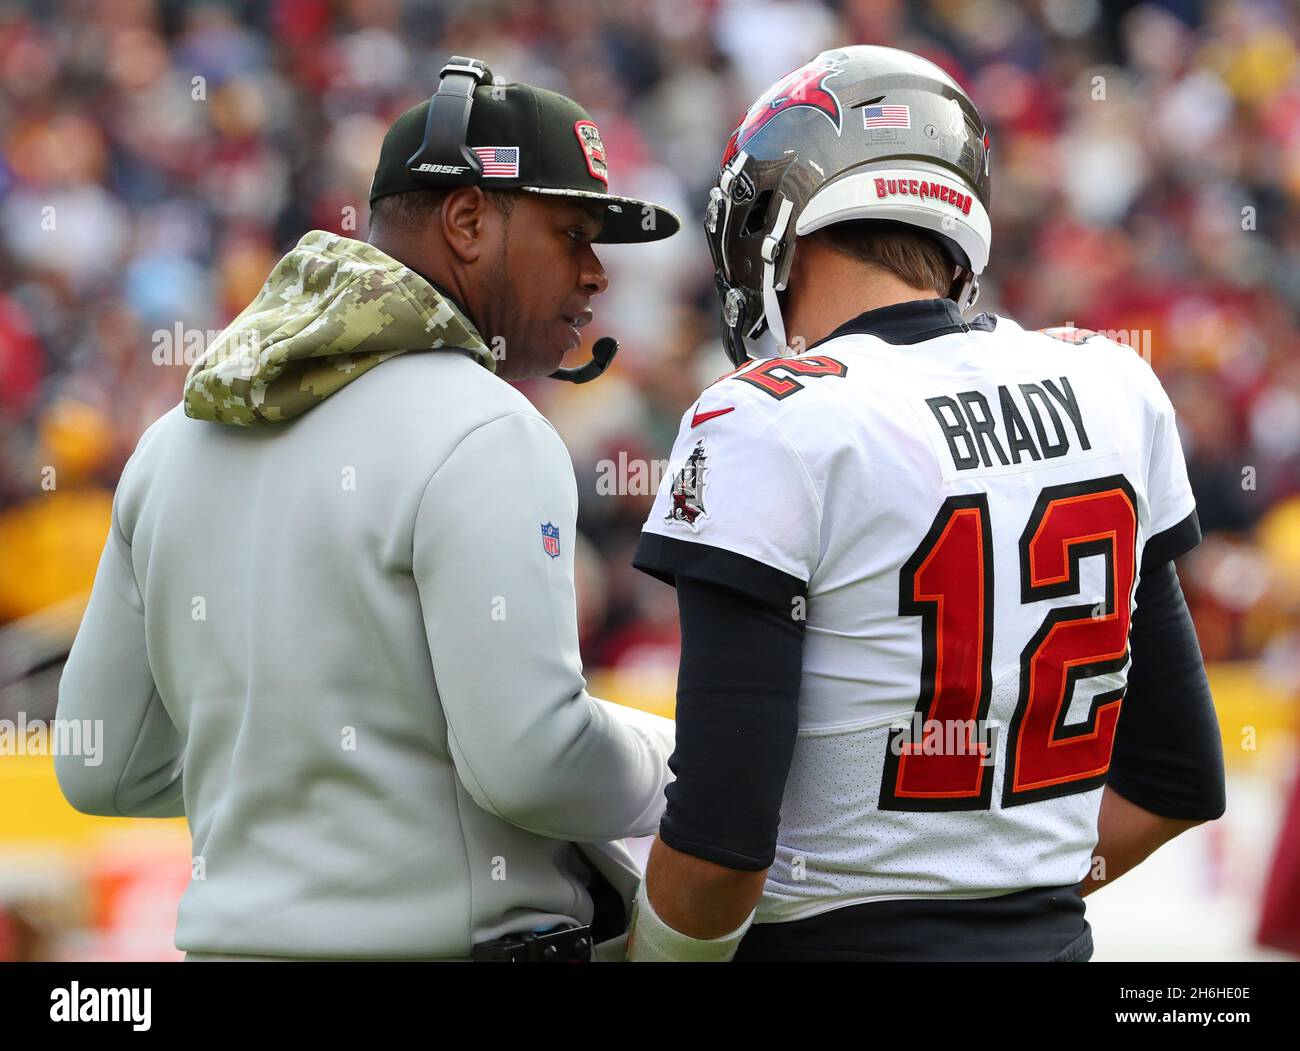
x: 966, y: 507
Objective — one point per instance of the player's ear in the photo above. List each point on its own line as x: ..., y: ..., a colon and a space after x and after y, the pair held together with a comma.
x: 795, y: 280
x: 463, y: 218
x: 799, y: 262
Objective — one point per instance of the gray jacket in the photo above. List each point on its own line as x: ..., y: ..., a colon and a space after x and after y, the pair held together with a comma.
x: 343, y: 647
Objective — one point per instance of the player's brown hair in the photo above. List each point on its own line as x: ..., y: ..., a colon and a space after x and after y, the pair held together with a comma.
x: 902, y: 250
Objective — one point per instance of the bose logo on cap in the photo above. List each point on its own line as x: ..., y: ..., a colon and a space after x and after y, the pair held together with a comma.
x: 442, y: 169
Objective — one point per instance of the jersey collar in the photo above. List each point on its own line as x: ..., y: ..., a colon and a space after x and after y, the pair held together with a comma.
x: 911, y: 322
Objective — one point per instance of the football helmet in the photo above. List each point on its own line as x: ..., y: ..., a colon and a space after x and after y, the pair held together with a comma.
x: 859, y: 133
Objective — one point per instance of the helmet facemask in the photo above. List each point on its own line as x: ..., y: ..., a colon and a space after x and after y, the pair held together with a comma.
x: 751, y: 241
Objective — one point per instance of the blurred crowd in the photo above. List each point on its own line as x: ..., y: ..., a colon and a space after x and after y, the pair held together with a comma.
x: 158, y: 156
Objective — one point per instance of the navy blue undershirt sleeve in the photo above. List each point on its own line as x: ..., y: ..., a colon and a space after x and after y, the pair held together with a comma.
x: 737, y: 717
x: 666, y: 558
x: 1177, y: 540
x: 1168, y: 754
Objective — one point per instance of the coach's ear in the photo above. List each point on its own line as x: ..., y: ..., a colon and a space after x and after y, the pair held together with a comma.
x: 466, y: 222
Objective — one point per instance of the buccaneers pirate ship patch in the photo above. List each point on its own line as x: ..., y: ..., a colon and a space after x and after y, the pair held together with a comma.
x: 687, y: 495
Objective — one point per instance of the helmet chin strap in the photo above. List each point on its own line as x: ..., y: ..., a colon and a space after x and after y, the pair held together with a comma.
x: 970, y: 291
x: 772, y: 311
x: 771, y: 256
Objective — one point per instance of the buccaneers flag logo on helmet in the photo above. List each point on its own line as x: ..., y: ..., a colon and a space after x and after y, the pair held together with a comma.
x: 805, y: 87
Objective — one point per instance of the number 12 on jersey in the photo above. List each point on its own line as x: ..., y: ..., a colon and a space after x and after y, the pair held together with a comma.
x: 948, y: 583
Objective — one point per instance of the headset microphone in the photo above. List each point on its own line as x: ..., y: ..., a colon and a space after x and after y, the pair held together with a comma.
x: 602, y: 354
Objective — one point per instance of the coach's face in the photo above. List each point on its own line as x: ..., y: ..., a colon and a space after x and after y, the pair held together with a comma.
x: 538, y: 274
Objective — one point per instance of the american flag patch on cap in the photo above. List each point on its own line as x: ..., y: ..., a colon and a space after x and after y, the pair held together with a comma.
x: 499, y: 162
x: 886, y: 117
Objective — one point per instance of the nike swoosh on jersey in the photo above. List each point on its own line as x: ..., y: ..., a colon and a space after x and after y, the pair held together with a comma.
x: 700, y: 417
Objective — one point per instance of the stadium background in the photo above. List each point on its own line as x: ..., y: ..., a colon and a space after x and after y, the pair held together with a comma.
x: 156, y: 159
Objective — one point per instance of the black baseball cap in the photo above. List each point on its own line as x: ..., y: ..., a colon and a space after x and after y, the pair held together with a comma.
x: 526, y: 138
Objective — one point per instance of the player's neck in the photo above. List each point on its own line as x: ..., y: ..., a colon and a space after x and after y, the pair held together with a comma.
x: 831, y: 288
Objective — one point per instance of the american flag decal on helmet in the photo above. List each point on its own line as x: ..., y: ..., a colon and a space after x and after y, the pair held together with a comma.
x: 886, y: 117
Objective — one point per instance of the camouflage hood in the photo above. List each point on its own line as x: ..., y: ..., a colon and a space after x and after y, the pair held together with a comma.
x: 332, y: 309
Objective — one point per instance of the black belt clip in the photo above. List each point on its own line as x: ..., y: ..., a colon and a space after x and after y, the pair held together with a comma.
x: 559, y: 945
